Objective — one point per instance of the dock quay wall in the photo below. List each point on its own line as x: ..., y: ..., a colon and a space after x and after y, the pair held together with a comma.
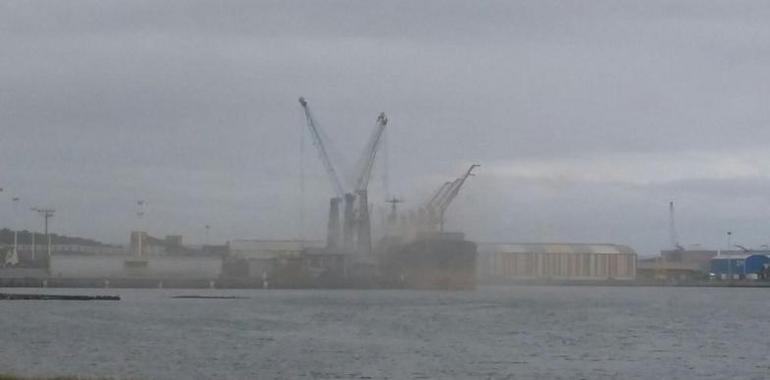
x: 125, y: 266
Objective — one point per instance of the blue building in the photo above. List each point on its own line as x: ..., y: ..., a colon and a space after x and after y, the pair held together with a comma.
x: 739, y: 266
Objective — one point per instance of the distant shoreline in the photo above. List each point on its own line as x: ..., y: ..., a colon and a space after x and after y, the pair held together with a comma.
x: 15, y: 377
x: 178, y: 283
x: 633, y: 283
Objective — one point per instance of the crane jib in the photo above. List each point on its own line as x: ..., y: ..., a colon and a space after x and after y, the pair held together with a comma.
x: 318, y: 143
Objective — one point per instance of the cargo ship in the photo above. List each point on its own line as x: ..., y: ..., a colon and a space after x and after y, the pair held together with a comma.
x: 430, y: 261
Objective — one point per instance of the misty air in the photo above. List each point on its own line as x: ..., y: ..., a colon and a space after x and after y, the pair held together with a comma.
x: 384, y: 190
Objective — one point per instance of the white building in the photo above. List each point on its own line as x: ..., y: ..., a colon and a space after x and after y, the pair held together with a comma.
x: 555, y: 261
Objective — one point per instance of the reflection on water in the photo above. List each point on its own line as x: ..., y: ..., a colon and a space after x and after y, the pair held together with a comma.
x: 502, y: 332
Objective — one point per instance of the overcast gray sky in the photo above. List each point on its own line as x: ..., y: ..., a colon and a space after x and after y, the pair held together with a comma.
x: 587, y: 116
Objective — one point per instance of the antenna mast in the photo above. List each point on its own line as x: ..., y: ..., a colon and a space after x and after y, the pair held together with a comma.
x: 672, y: 227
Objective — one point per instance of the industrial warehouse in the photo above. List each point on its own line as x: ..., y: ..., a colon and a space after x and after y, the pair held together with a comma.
x: 502, y: 262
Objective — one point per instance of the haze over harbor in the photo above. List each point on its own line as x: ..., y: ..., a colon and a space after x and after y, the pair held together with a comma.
x: 544, y: 189
x: 588, y: 117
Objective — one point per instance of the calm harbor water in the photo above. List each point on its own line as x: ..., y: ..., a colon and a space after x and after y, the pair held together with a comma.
x: 490, y: 333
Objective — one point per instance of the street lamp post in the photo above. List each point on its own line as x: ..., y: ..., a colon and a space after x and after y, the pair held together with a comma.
x: 16, y: 227
x: 139, y: 216
x: 46, y: 213
x: 34, y: 246
x: 729, y: 260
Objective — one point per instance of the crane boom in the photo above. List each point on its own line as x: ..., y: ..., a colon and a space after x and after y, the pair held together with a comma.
x: 451, y: 193
x: 366, y: 162
x: 331, y: 173
x: 437, y: 195
x: 431, y: 207
x: 455, y: 188
x: 363, y: 221
x: 444, y: 196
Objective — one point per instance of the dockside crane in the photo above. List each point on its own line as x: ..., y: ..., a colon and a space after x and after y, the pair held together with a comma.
x: 437, y: 195
x: 444, y: 197
x: 427, y: 214
x: 356, y: 222
x: 365, y: 164
x: 333, y: 227
x: 312, y: 126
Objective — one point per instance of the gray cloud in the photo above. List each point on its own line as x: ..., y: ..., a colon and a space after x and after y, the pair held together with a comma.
x: 192, y: 105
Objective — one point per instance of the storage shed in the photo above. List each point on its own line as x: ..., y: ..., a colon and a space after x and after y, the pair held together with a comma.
x: 556, y: 261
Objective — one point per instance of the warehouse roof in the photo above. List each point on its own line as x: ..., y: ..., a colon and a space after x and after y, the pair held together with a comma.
x: 733, y: 257
x: 607, y: 249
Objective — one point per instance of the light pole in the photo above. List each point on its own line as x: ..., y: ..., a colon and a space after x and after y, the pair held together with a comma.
x: 15, y: 227
x: 139, y: 216
x: 207, y: 234
x: 46, y: 213
x: 729, y: 260
x: 34, y: 246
